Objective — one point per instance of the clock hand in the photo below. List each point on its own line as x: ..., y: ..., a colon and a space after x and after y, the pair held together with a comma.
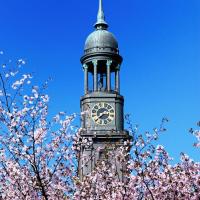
x: 96, y: 119
x: 99, y: 117
x: 103, y: 113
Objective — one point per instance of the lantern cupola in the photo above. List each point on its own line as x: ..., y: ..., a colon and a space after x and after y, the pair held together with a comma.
x: 101, y: 58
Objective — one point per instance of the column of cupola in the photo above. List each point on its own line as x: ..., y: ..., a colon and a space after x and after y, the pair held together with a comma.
x: 95, y: 75
x: 95, y: 72
x: 108, y: 76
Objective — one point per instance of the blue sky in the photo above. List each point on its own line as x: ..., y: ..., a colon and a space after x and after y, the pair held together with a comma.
x: 159, y: 41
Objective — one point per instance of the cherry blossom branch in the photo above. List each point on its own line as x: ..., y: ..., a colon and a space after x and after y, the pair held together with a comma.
x: 4, y: 91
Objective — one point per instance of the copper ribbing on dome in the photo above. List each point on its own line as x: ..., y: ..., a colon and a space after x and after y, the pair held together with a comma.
x: 101, y: 23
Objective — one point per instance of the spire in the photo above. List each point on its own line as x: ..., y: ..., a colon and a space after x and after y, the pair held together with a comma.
x: 101, y: 24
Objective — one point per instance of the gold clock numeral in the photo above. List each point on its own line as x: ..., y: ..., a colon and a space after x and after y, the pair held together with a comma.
x: 109, y: 107
x: 106, y: 122
x: 109, y: 120
x: 94, y: 111
x: 112, y: 111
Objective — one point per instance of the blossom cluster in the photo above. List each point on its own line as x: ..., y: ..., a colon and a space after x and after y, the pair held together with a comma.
x: 36, y: 156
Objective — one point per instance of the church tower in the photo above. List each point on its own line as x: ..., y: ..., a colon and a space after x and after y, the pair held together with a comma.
x: 102, y: 103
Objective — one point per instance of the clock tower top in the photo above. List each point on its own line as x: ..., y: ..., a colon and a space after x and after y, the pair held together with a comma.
x: 101, y: 64
x: 102, y: 103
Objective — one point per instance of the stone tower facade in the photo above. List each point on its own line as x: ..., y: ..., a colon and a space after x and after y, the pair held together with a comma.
x: 102, y: 103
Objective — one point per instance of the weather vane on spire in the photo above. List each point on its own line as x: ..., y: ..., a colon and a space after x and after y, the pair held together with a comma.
x: 101, y: 23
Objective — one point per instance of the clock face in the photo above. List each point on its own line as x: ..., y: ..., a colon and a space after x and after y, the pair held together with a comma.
x: 103, y: 113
